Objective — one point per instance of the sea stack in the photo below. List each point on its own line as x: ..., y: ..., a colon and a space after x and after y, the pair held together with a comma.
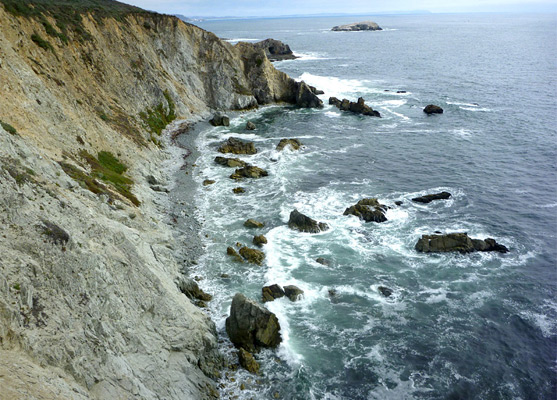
x: 358, y: 26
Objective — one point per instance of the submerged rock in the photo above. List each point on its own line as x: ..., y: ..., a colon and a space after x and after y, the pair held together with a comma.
x: 358, y: 26
x: 220, y: 120
x: 237, y: 146
x: 398, y: 203
x: 238, y: 190
x: 293, y: 292
x: 358, y: 107
x: 369, y: 210
x: 385, y: 291
x: 306, y: 98
x: 208, y: 182
x: 430, y: 197
x: 251, y: 326
x: 323, y: 261
x: 433, y: 109
x: 231, y: 251
x: 250, y: 126
x: 294, y: 144
x: 275, y: 50
x: 252, y: 223
x: 230, y: 162
x: 460, y: 242
x: 272, y: 292
x: 246, y: 360
x: 252, y: 255
x: 249, y: 171
x: 304, y: 223
x: 259, y: 240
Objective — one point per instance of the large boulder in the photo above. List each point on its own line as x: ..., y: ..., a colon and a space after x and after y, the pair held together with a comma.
x: 304, y: 223
x: 249, y: 171
x: 293, y: 292
x: 259, y: 240
x: 306, y: 98
x: 220, y: 120
x: 428, y: 198
x: 246, y: 360
x: 369, y: 210
x: 272, y: 292
x: 358, y: 26
x: 275, y: 50
x: 252, y: 223
x: 231, y: 251
x: 357, y: 107
x: 294, y: 144
x: 230, y: 162
x: 460, y: 242
x: 237, y: 146
x: 252, y: 255
x: 251, y: 326
x: 433, y: 109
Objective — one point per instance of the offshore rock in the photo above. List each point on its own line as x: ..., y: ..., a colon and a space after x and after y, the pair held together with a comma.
x: 249, y: 171
x: 272, y: 292
x: 275, y: 50
x: 358, y: 107
x: 430, y: 197
x: 306, y: 98
x: 369, y: 210
x: 252, y: 223
x: 250, y: 126
x: 304, y: 223
x: 385, y: 291
x: 323, y: 261
x: 208, y: 182
x: 246, y: 360
x: 259, y: 240
x: 358, y: 26
x: 251, y: 326
x: 294, y: 144
x: 460, y: 242
x: 230, y: 162
x: 238, y: 190
x: 293, y: 292
x: 252, y: 255
x: 237, y: 146
x: 231, y: 251
x: 220, y: 120
x: 433, y: 109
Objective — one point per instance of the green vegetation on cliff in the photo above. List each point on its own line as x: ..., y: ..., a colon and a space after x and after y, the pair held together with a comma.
x: 158, y: 117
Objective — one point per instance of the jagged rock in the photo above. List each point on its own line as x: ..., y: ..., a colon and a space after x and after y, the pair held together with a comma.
x: 460, y: 242
x: 272, y: 292
x: 358, y: 26
x: 151, y: 180
x: 220, y: 120
x: 293, y: 292
x: 399, y: 203
x: 259, y: 240
x: 315, y: 90
x: 158, y: 188
x: 252, y: 223
x: 358, y: 107
x: 304, y: 223
x: 369, y: 210
x: 237, y: 146
x: 275, y: 50
x: 251, y: 326
x: 208, y: 182
x: 231, y: 251
x: 249, y: 171
x: 252, y: 255
x: 305, y: 97
x: 430, y: 197
x: 294, y: 144
x: 433, y: 109
x: 323, y: 261
x: 250, y: 126
x: 190, y: 288
x: 230, y: 162
x: 385, y: 291
x: 246, y: 360
x: 238, y: 190
x: 56, y: 234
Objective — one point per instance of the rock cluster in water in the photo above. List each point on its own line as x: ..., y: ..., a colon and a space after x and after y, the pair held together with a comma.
x: 237, y: 146
x: 358, y: 26
x: 369, y: 210
x: 457, y: 242
x: 358, y: 107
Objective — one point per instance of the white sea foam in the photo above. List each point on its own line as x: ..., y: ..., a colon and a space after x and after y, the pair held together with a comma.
x: 339, y: 87
x: 236, y: 40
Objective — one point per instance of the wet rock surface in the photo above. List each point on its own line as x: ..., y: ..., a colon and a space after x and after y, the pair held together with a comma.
x: 430, y: 197
x: 237, y: 146
x: 230, y: 162
x: 357, y: 107
x: 272, y: 292
x: 294, y: 144
x: 369, y: 210
x: 433, y: 109
x: 457, y: 242
x: 303, y: 223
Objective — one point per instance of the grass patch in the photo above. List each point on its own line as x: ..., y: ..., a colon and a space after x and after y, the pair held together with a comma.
x: 39, y: 41
x: 8, y: 128
x: 158, y: 117
x: 18, y: 172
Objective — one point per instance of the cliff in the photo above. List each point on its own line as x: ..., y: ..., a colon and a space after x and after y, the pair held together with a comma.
x: 90, y: 305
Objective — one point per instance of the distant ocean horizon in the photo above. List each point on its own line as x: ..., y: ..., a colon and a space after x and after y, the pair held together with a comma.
x: 457, y: 326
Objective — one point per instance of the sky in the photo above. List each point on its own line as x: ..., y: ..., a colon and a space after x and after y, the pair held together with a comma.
x: 269, y: 8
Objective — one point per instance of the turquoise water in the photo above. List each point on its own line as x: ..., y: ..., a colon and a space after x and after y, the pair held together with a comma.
x: 476, y: 326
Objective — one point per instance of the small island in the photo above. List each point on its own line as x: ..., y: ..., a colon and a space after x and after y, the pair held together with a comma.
x: 358, y: 26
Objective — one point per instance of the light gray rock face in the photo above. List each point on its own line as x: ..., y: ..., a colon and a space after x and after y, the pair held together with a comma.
x: 358, y: 26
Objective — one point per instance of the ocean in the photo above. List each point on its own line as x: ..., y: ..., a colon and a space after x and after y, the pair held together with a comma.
x: 457, y: 326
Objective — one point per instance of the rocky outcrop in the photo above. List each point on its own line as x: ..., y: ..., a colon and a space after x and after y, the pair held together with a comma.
x: 220, y: 119
x: 369, y: 210
x: 230, y: 162
x: 275, y: 50
x: 428, y: 198
x: 208, y: 182
x: 247, y: 361
x: 252, y: 255
x: 358, y: 107
x: 259, y: 240
x: 272, y: 292
x: 358, y: 26
x: 250, y: 126
x: 457, y: 242
x: 249, y: 171
x: 251, y: 326
x: 252, y: 223
x: 323, y: 261
x: 304, y: 223
x: 306, y: 97
x: 237, y: 146
x: 231, y: 251
x: 294, y: 293
x: 385, y: 291
x: 433, y: 109
x: 294, y: 144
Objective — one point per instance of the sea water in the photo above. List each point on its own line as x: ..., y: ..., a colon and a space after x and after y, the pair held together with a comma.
x: 473, y: 326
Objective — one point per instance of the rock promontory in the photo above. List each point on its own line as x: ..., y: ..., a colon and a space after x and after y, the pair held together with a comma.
x: 358, y: 26
x: 275, y: 50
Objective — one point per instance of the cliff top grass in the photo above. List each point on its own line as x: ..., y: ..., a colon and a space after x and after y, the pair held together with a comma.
x: 68, y: 14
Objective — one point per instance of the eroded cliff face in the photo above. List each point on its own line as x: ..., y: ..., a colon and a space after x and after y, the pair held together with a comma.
x: 97, y: 313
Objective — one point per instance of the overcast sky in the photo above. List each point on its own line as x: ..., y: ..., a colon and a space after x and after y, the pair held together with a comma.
x: 290, y: 7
